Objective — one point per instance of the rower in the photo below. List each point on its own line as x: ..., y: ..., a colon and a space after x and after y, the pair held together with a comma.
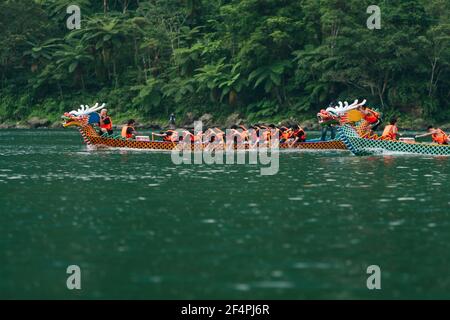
x: 198, y: 137
x: 234, y: 136
x: 187, y: 136
x: 245, y: 134
x: 371, y: 116
x: 271, y: 132
x: 286, y: 134
x: 128, y: 130
x: 438, y: 135
x: 254, y: 136
x: 219, y: 134
x: 168, y: 136
x: 391, y: 131
x: 105, y: 122
x: 299, y: 136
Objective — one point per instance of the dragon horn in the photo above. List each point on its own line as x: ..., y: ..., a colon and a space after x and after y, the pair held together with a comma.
x: 354, y: 105
x: 345, y: 104
x: 97, y: 107
x: 340, y: 104
x: 364, y: 102
x: 90, y: 109
x: 80, y: 110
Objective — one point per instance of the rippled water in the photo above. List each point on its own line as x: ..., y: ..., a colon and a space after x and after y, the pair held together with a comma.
x: 141, y: 227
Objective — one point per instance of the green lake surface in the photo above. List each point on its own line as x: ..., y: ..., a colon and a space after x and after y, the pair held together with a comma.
x: 142, y: 227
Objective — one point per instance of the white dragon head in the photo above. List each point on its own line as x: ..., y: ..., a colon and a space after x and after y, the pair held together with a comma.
x: 343, y: 108
x: 84, y: 115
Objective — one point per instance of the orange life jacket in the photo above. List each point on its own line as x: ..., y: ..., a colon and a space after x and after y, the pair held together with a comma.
x: 390, y: 132
x: 107, y: 126
x: 286, y: 135
x: 440, y: 137
x: 371, y: 117
x: 124, y: 133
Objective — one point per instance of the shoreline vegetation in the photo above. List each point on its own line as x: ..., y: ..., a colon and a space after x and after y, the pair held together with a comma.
x: 407, y: 124
x: 223, y: 62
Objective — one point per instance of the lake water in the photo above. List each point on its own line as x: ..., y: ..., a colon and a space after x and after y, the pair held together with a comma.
x: 141, y: 227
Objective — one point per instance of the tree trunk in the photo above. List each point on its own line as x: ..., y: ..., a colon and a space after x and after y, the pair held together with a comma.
x: 433, y: 69
x: 115, y: 73
x: 125, y: 6
x: 60, y: 90
x: 380, y: 95
x: 105, y: 6
x: 82, y: 81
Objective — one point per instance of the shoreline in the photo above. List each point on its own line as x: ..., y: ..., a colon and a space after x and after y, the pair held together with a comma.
x: 307, y: 125
x: 186, y: 121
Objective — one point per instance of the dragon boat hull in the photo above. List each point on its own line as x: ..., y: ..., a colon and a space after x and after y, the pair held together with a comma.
x: 91, y: 137
x: 366, y: 146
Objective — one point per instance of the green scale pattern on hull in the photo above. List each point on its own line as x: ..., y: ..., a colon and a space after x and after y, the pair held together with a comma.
x: 362, y: 146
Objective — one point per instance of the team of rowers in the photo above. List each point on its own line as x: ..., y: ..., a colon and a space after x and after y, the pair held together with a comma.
x: 240, y: 134
x: 262, y: 133
x: 391, y: 132
x: 254, y: 134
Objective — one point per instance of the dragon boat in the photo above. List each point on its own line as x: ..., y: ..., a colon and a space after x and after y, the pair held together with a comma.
x: 356, y: 134
x: 86, y: 119
x: 361, y: 144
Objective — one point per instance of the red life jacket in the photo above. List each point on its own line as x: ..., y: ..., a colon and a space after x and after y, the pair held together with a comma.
x: 300, y: 133
x: 107, y: 126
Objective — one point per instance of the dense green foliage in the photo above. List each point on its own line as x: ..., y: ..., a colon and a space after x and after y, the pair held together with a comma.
x: 262, y: 59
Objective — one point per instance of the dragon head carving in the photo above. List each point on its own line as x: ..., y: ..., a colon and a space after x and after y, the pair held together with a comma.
x: 338, y: 113
x: 83, y: 116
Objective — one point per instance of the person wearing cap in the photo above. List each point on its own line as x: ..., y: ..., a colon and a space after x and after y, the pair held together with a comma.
x: 105, y: 122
